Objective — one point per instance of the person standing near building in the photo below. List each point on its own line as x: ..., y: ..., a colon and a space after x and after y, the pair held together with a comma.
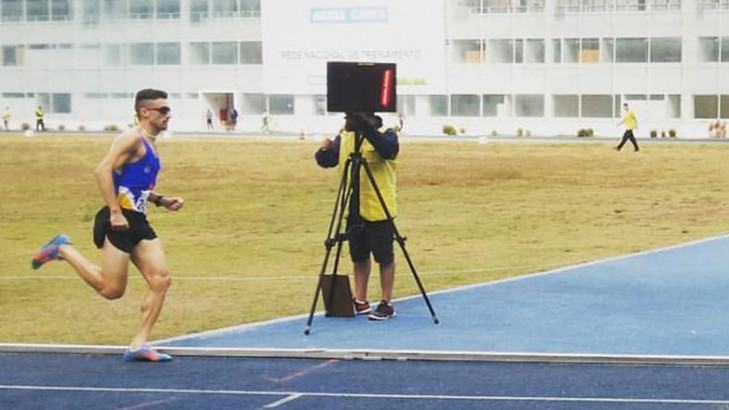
x: 233, y: 114
x: 6, y: 118
x: 39, y: 114
x: 265, y: 123
x: 209, y: 119
x: 631, y: 123
x: 368, y: 229
x: 126, y: 178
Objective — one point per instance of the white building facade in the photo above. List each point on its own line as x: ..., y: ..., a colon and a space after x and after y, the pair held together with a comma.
x: 547, y: 67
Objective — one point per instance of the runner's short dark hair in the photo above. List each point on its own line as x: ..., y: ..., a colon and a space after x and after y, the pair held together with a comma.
x: 145, y: 95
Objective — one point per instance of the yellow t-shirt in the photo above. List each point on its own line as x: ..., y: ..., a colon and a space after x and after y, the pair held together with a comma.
x: 630, y: 120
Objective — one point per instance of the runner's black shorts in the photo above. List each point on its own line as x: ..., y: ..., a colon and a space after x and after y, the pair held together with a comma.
x: 126, y: 240
x: 371, y: 237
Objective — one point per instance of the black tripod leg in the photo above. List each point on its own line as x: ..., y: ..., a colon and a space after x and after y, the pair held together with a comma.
x: 333, y: 236
x: 400, y: 240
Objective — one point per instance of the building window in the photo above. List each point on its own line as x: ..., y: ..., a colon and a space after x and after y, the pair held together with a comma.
x: 534, y: 50
x: 253, y: 104
x: 281, y: 104
x: 12, y: 10
x: 225, y: 8
x: 631, y: 50
x: 438, y: 105
x: 141, y: 9
x: 597, y: 106
x: 491, y: 104
x: 199, y: 53
x: 666, y: 50
x: 590, y: 51
x: 113, y: 54
x: 557, y: 46
x: 465, y: 105
x: 56, y: 103
x: 725, y: 49
x: 224, y: 53
x: 467, y: 51
x: 607, y: 52
x: 37, y: 10
x: 674, y: 106
x: 168, y: 9
x: 114, y: 9
x: 13, y: 55
x: 251, y: 52
x: 198, y: 10
x: 708, y: 49
x: 724, y: 106
x: 61, y: 9
x: 168, y: 53
x: 706, y: 106
x: 141, y: 54
x: 500, y: 51
x: 250, y: 8
x: 571, y: 51
x: 566, y: 106
x: 529, y: 105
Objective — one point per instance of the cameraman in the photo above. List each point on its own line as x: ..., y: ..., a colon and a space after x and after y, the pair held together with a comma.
x: 369, y: 230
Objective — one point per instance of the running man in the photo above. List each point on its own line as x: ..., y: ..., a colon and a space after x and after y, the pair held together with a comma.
x: 126, y: 178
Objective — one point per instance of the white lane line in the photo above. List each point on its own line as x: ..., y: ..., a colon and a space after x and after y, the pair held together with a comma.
x: 364, y: 395
x: 282, y: 401
x: 301, y: 372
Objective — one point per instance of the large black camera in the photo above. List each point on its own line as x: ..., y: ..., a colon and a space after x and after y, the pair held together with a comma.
x: 361, y: 87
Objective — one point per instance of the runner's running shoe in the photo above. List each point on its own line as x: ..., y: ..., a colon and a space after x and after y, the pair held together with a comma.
x: 383, y: 311
x: 145, y: 354
x: 49, y: 252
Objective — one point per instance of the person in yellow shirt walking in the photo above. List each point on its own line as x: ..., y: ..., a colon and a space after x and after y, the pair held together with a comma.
x: 631, y: 122
x: 39, y: 114
x: 6, y: 118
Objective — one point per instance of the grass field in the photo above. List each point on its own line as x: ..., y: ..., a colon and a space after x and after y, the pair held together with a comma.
x: 249, y: 242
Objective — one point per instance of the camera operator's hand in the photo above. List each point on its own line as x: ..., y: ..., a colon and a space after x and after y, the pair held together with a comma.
x: 326, y: 144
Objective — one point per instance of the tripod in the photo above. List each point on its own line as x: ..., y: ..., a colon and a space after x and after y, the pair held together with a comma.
x: 348, y: 199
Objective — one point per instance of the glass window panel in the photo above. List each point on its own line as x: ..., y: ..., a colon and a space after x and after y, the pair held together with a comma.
x: 590, y: 51
x: 112, y: 54
x: 168, y: 9
x: 114, y: 9
x: 608, y: 50
x: 500, y: 51
x: 37, y: 10
x: 491, y: 105
x: 631, y: 50
x: 225, y: 53
x: 557, y: 45
x: 535, y: 51
x: 724, y: 106
x: 251, y: 52
x: 518, y: 51
x: 250, y: 8
x: 61, y: 9
x: 725, y: 47
x: 467, y: 51
x: 140, y: 9
x: 199, y: 53
x: 320, y: 104
x: 253, y: 104
x: 597, y: 106
x: 617, y: 106
x: 10, y: 55
x: 438, y: 105
x: 168, y: 53
x: 141, y: 54
x: 281, y: 104
x: 666, y: 50
x: 706, y: 106
x: 566, y: 106
x: 198, y: 10
x: 529, y: 105
x: 674, y: 106
x: 44, y: 100
x: 61, y: 103
x: 571, y: 52
x: 465, y: 105
x: 12, y: 10
x: 225, y: 8
x: 708, y: 49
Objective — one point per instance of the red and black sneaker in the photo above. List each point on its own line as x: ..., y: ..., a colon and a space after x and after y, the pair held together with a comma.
x: 362, y: 308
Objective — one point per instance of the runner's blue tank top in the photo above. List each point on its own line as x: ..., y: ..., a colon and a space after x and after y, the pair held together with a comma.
x: 134, y: 181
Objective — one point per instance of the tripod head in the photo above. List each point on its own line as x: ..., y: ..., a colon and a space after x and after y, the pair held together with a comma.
x: 359, y: 122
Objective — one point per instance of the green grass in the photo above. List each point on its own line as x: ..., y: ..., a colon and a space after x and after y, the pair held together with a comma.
x: 249, y: 242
